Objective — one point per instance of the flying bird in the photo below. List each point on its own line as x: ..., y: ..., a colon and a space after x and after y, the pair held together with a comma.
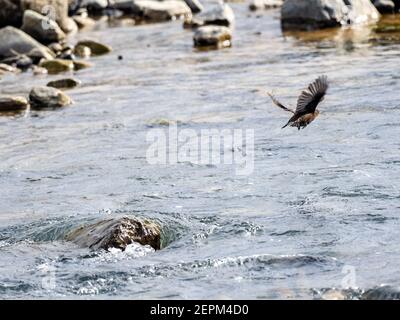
x: 306, y: 110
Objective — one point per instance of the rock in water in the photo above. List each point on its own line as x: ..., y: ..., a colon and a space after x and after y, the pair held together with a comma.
x: 13, y: 104
x: 220, y: 14
x: 46, y: 97
x: 117, y: 233
x: 14, y: 41
x: 57, y: 65
x: 41, y: 28
x: 68, y: 83
x: 385, y: 292
x: 96, y: 48
x: 213, y: 36
x: 161, y: 10
x: 318, y: 14
x: 10, y: 13
x: 265, y: 4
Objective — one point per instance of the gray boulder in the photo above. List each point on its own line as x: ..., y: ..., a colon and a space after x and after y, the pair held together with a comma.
x: 217, y: 13
x: 318, y: 14
x: 117, y: 233
x: 14, y: 41
x: 46, y: 97
x: 41, y: 28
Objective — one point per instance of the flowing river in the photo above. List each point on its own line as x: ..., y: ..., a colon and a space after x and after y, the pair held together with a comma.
x: 319, y: 210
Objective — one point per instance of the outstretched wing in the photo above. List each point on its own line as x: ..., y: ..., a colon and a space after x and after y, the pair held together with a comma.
x: 280, y: 105
x: 312, y: 96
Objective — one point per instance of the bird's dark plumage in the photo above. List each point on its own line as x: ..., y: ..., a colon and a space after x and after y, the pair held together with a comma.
x: 307, y: 103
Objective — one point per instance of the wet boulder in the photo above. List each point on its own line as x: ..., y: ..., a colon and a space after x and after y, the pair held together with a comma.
x: 265, y: 4
x: 212, y: 37
x: 218, y: 13
x: 318, y: 14
x: 14, y: 41
x: 13, y: 104
x: 41, y: 28
x: 46, y: 97
x: 68, y: 83
x: 117, y: 233
x: 385, y: 6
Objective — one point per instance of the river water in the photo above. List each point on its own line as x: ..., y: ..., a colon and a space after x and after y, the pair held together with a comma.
x: 319, y: 211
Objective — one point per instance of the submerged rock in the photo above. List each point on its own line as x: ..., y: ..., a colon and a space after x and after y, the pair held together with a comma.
x: 318, y: 14
x: 213, y: 36
x: 67, y: 83
x: 117, y: 233
x: 14, y: 41
x: 57, y: 65
x: 265, y: 4
x: 41, y: 28
x: 13, y: 104
x: 96, y: 48
x: 161, y: 10
x: 46, y: 97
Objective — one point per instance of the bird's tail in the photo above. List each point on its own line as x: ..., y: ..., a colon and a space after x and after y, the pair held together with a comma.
x: 280, y: 105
